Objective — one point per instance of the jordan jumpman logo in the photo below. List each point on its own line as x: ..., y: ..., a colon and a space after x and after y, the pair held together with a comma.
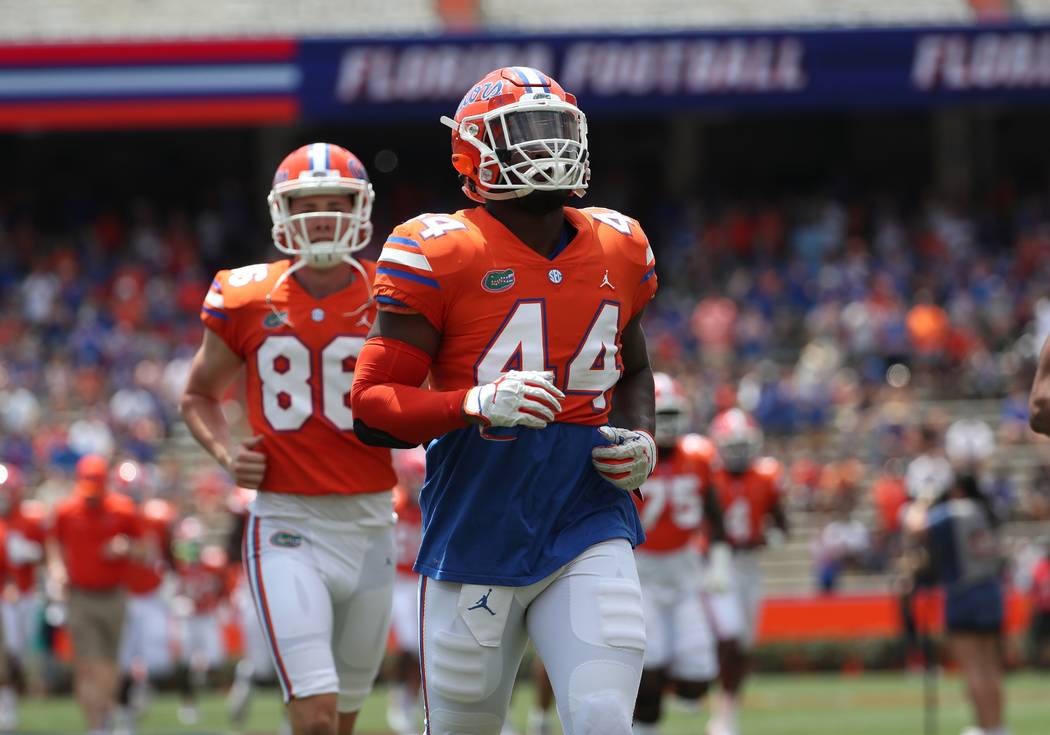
x: 483, y: 603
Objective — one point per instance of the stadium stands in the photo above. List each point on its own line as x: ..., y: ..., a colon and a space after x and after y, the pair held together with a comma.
x: 145, y: 19
x: 152, y: 19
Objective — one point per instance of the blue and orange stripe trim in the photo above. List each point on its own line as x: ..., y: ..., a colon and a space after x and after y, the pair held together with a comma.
x: 259, y: 593
x: 398, y: 273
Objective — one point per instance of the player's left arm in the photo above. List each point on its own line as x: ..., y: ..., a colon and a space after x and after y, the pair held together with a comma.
x: 630, y: 456
x: 634, y: 405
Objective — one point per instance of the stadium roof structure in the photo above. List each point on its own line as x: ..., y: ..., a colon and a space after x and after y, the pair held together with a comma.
x: 81, y: 20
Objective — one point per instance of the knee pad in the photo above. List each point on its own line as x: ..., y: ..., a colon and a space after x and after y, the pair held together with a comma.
x: 448, y: 722
x: 600, y: 695
x: 455, y: 668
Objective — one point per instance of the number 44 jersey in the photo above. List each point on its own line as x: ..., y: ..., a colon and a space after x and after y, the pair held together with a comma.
x: 510, y: 506
x: 299, y: 355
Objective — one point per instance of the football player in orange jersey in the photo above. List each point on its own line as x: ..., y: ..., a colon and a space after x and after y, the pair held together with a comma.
x: 525, y: 313
x: 680, y: 648
x: 145, y: 653
x: 319, y: 545
x: 748, y: 486
x: 403, y: 704
x: 25, y: 521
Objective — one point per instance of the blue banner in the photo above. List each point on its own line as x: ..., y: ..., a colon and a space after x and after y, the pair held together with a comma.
x: 658, y: 73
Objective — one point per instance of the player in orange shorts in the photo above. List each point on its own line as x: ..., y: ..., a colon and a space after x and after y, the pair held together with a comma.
x: 318, y: 548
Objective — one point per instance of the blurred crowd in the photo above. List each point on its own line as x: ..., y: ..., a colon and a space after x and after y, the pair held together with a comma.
x: 839, y: 323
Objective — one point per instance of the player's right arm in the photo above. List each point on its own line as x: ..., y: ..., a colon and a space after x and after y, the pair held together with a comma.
x: 1039, y: 399
x: 214, y: 368
x: 390, y: 406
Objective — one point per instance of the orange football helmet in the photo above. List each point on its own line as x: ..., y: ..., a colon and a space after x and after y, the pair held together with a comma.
x: 321, y: 168
x: 738, y: 439
x: 672, y: 410
x: 517, y: 131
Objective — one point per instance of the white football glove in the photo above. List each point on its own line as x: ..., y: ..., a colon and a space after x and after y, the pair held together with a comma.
x: 627, y: 460
x: 719, y: 572
x: 518, y: 398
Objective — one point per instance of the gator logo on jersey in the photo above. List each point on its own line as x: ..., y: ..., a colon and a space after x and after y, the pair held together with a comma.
x: 286, y: 539
x: 275, y: 319
x: 496, y: 281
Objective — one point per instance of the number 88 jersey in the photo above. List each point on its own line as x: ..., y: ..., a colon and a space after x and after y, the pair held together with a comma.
x: 299, y: 355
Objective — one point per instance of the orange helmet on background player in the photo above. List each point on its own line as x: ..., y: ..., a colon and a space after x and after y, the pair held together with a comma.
x: 672, y: 411
x: 517, y: 131
x: 738, y: 439
x: 321, y: 168
x: 12, y: 486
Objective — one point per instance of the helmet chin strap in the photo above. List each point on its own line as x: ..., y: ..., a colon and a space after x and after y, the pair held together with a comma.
x: 353, y: 263
x: 281, y: 316
x: 300, y: 262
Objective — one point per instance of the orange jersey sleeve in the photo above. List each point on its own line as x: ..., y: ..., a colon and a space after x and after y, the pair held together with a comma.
x: 501, y: 306
x: 300, y: 353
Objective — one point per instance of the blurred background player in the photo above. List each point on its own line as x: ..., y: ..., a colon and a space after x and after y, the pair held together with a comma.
x: 403, y: 704
x: 319, y: 544
x: 145, y: 649
x: 93, y: 537
x: 959, y: 534
x: 255, y: 666
x: 26, y: 535
x: 201, y: 590
x: 748, y: 487
x: 1039, y: 594
x: 680, y: 647
x: 506, y: 305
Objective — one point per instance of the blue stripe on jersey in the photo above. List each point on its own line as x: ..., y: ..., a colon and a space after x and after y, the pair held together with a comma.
x: 395, y: 273
x: 513, y: 512
x: 649, y: 274
x: 390, y: 301
x: 216, y: 285
x: 214, y: 313
x: 403, y: 241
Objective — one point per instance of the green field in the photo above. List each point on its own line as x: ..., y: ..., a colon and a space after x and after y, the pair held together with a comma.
x: 873, y: 704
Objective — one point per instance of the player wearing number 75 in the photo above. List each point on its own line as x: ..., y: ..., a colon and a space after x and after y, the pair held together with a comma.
x: 525, y: 313
x: 318, y: 546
